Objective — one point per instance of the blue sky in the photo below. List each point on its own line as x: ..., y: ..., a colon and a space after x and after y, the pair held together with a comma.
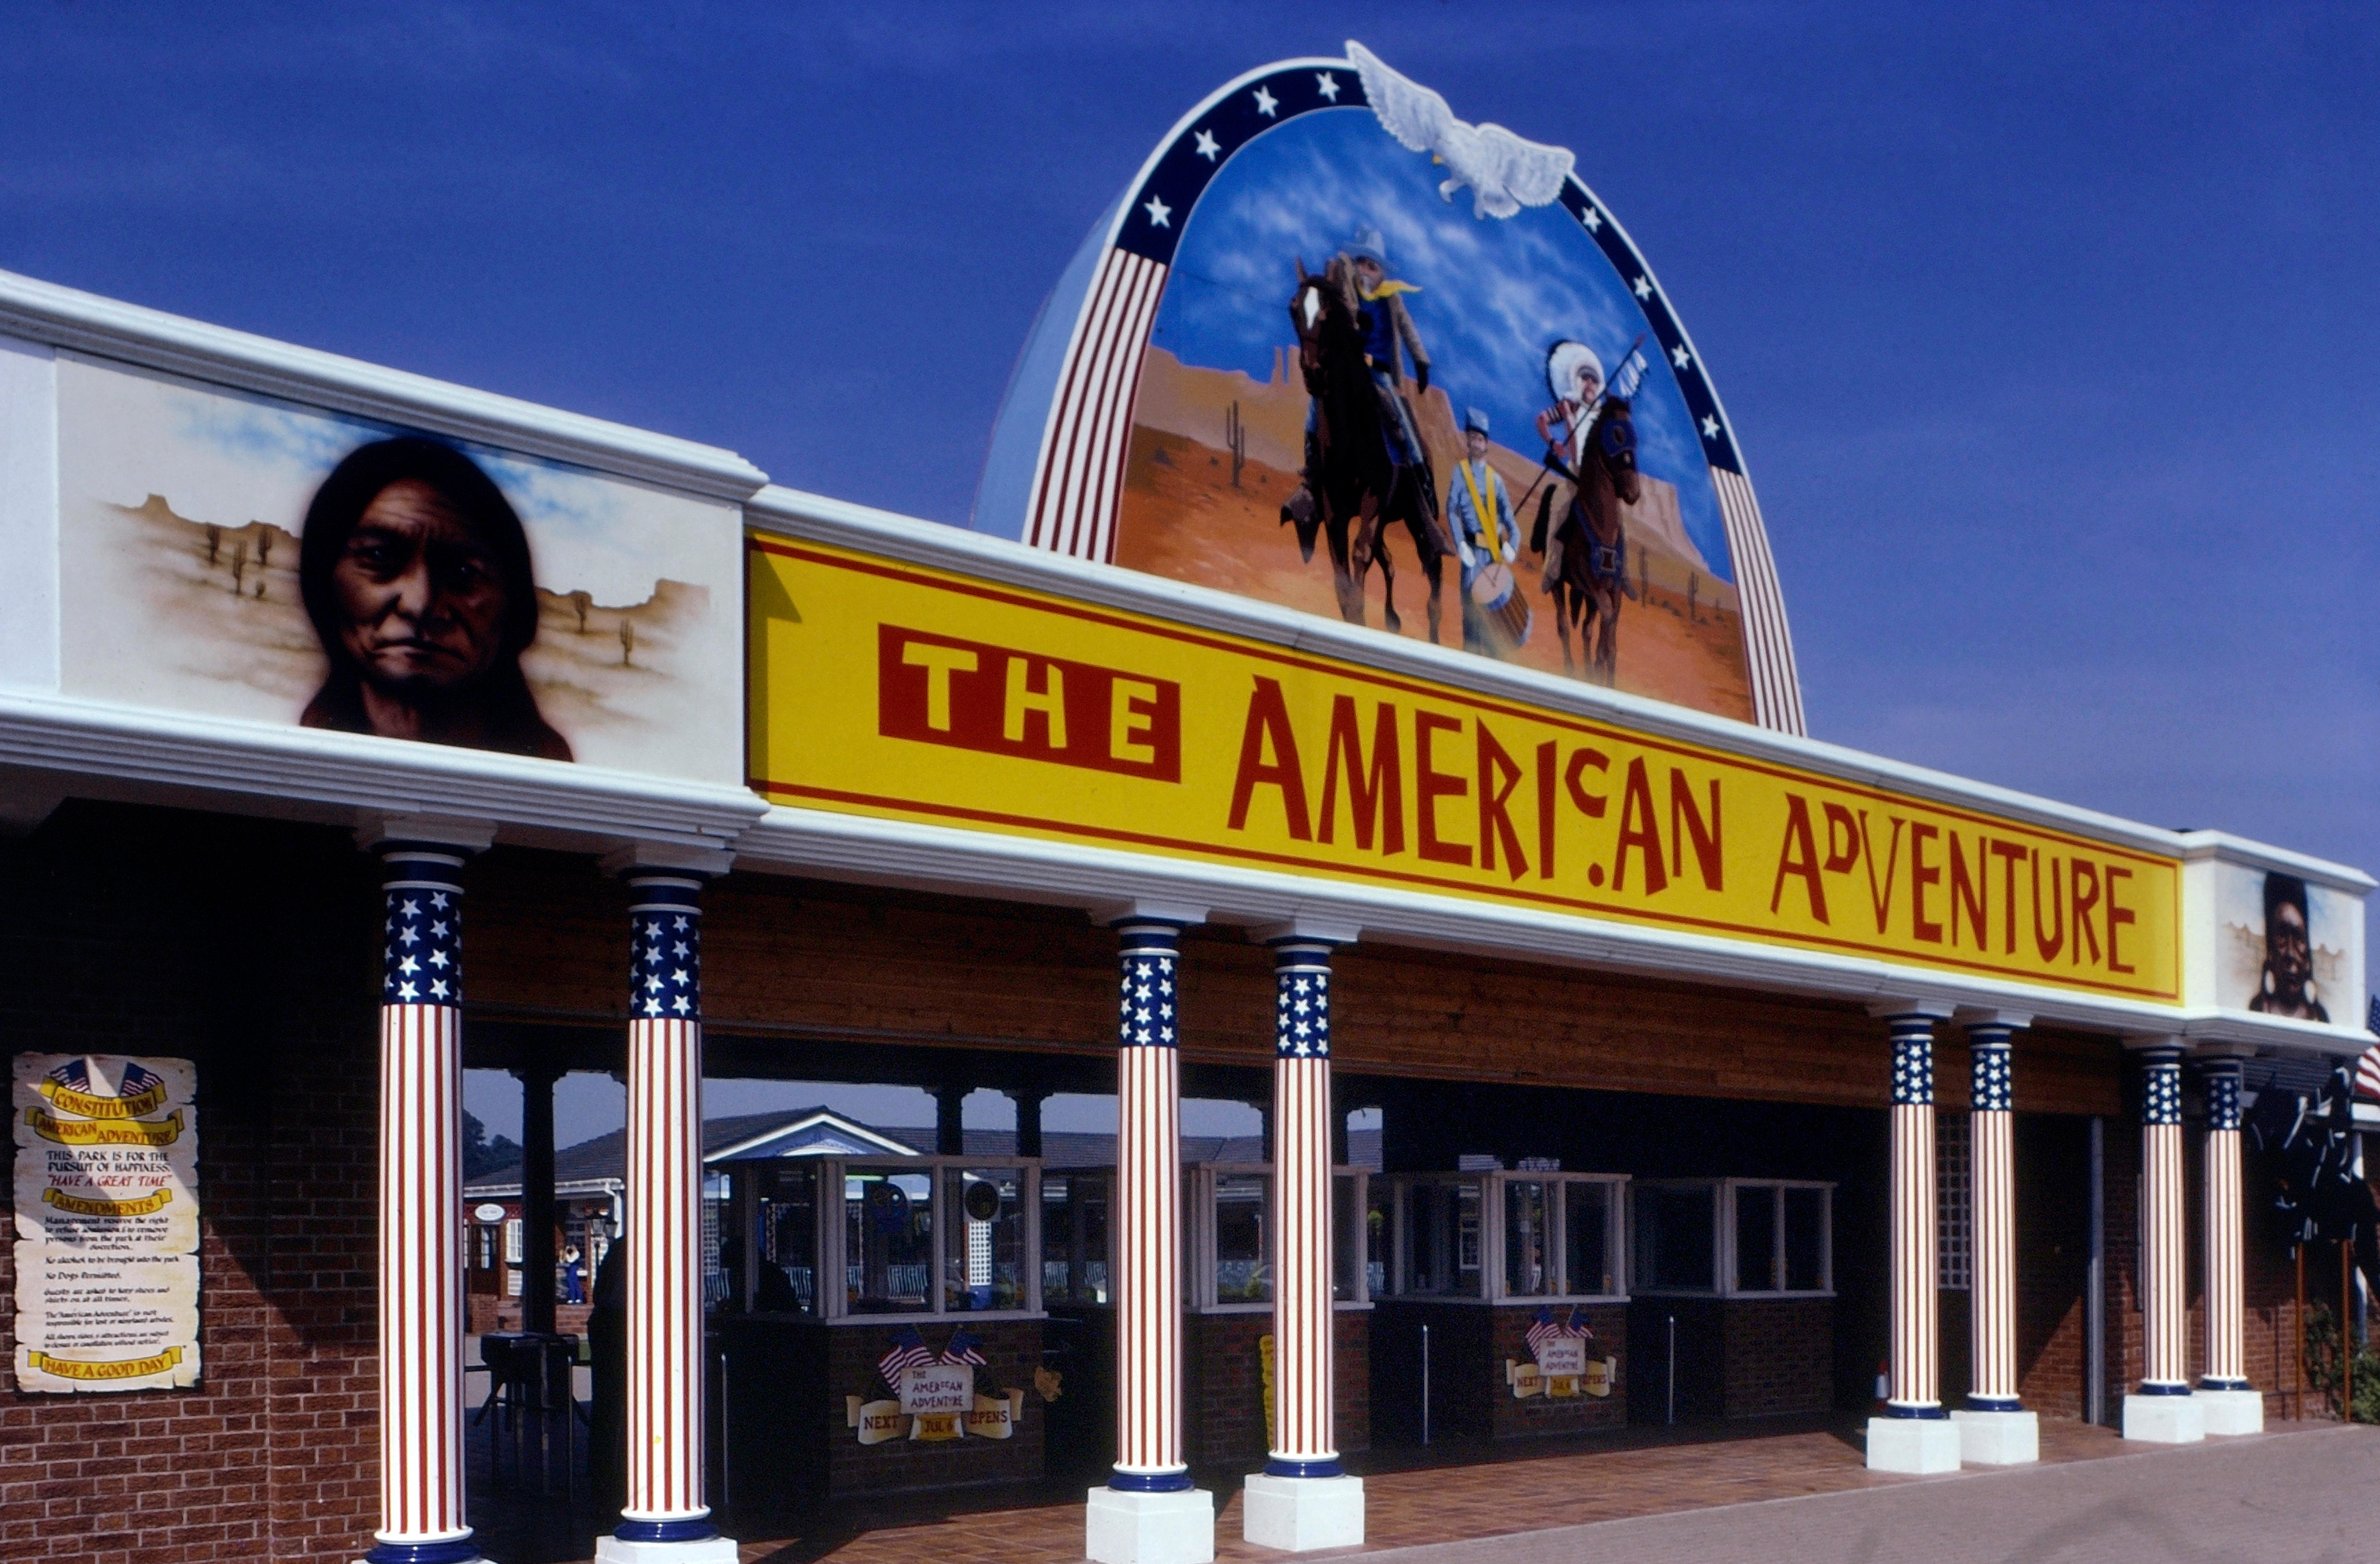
x: 2047, y: 331
x: 1496, y: 294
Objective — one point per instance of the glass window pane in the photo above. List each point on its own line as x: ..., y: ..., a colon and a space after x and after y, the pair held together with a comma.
x: 1444, y: 1242
x: 1057, y: 1240
x: 1806, y: 1240
x: 786, y: 1282
x: 1346, y: 1238
x: 1242, y: 1255
x: 1586, y: 1218
x: 1673, y: 1236
x: 1528, y: 1254
x: 1755, y: 1238
x: 889, y: 1241
x: 1379, y: 1203
x: 984, y: 1208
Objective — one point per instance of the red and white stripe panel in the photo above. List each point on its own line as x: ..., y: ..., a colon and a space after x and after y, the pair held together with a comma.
x: 1993, y: 1296
x: 1078, y: 480
x: 2226, y: 1344
x: 2163, y: 1300
x: 420, y: 1274
x: 665, y: 1234
x: 1303, y: 1426
x: 1147, y: 1217
x: 1917, y: 1372
x: 1767, y: 644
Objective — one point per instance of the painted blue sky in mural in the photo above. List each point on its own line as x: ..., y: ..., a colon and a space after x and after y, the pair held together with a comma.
x: 1494, y: 293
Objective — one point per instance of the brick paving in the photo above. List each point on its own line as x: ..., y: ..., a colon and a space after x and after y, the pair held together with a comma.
x: 1533, y: 1498
x: 1644, y: 1496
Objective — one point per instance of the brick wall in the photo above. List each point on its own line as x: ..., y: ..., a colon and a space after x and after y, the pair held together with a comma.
x: 1469, y: 1345
x: 1222, y: 1406
x: 248, y: 947
x: 1779, y: 1355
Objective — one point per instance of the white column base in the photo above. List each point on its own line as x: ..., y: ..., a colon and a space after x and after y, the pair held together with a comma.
x: 2164, y: 1420
x: 710, y: 1550
x: 1998, y: 1438
x: 2231, y: 1412
x: 1916, y: 1444
x: 1129, y: 1528
x: 1299, y: 1514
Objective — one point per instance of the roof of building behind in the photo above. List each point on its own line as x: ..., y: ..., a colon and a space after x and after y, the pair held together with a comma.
x: 605, y: 1158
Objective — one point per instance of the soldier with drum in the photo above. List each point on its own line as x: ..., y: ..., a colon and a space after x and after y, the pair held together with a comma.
x: 1487, y: 541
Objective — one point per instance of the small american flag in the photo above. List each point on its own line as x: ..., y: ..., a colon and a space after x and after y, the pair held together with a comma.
x: 2367, y: 1074
x: 1543, y: 1330
x: 964, y: 1349
x: 909, y: 1350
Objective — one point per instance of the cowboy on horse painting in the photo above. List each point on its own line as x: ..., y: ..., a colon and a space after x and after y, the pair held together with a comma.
x: 1390, y: 337
x: 1591, y: 440
x: 1365, y: 466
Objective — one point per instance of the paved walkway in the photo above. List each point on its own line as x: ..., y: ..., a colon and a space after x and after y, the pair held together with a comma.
x: 2299, y: 1493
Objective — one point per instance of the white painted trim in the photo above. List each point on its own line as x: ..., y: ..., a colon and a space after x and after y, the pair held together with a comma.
x: 2223, y: 847
x: 29, y: 515
x: 101, y: 750
x: 107, y: 328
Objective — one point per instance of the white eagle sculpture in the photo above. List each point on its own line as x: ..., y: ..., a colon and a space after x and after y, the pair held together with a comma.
x: 1505, y: 172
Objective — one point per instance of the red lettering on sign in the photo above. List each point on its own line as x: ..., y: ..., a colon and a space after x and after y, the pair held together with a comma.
x: 970, y: 695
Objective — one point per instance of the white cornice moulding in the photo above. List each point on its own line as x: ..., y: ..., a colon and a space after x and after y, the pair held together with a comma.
x: 107, y: 328
x: 100, y: 750
x: 2223, y: 847
x: 790, y: 512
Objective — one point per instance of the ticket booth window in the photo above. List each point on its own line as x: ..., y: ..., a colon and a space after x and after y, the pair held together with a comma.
x: 888, y: 1241
x: 1528, y: 1246
x: 1676, y: 1237
x: 1231, y: 1241
x: 1552, y: 1235
x: 983, y: 1264
x: 1074, y: 1236
x: 1441, y: 1238
x: 1735, y: 1237
x: 1242, y: 1227
x: 1380, y: 1236
x: 786, y: 1219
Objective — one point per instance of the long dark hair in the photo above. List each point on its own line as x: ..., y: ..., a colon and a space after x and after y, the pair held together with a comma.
x: 339, y: 505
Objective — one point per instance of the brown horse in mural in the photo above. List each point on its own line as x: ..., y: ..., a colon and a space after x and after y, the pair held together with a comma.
x: 1356, y: 487
x: 1587, y: 570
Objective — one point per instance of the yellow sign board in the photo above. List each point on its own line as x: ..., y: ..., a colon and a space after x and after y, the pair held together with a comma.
x: 883, y: 688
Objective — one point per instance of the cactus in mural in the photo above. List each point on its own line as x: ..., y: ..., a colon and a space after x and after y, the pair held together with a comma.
x: 1235, y: 439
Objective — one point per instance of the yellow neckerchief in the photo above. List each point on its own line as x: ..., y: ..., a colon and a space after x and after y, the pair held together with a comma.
x: 1487, y: 517
x: 1388, y: 285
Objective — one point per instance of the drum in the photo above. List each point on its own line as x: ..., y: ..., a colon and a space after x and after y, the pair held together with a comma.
x: 1502, y: 606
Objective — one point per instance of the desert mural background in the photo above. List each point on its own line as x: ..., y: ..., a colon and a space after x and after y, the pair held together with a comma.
x: 1219, y: 411
x: 182, y: 506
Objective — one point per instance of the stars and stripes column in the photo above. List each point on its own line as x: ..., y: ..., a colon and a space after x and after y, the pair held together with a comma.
x: 1992, y: 1290
x: 1304, y: 1437
x: 2226, y: 1341
x: 421, y: 1205
x: 2164, y: 1301
x: 1147, y: 1214
x: 1915, y: 1381
x: 666, y: 1514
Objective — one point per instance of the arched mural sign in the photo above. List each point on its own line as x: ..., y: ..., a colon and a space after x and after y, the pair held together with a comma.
x: 1339, y: 350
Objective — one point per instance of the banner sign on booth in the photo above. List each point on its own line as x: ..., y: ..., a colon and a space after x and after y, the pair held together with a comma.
x: 107, y: 1222
x: 897, y: 691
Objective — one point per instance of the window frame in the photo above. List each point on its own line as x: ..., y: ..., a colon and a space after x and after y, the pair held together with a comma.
x: 1491, y: 1184
x: 1200, y: 1294
x: 1727, y: 1195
